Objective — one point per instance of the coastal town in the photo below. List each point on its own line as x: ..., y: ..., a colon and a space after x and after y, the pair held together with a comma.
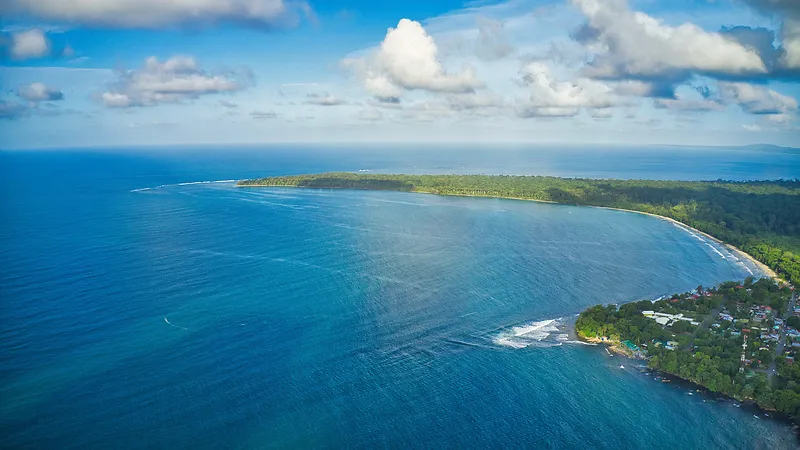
x: 739, y: 339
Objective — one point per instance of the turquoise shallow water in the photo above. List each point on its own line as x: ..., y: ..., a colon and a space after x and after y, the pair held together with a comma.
x: 206, y: 316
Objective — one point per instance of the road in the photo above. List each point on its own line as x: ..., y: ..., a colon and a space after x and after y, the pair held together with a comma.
x: 782, y: 340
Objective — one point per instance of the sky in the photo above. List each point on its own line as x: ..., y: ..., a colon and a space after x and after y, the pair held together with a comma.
x: 88, y: 73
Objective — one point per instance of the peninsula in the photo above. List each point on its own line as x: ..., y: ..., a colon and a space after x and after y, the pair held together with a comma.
x: 760, y: 218
x: 737, y: 339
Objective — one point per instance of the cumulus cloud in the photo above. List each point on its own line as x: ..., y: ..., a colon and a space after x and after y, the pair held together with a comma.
x: 38, y: 92
x: 29, y: 44
x: 172, y: 81
x: 787, y: 11
x: 633, y: 45
x: 756, y: 99
x: 408, y: 60
x: 552, y: 98
x: 159, y: 13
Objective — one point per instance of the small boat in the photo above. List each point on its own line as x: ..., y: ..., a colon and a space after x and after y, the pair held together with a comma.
x: 756, y: 416
x: 690, y: 393
x: 621, y: 367
x: 737, y: 405
x: 766, y: 414
x: 609, y: 353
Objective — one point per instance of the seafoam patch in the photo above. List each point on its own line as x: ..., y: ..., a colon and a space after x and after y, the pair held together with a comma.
x: 545, y: 333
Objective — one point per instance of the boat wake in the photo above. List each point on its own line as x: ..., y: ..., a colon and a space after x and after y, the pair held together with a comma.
x: 173, y: 325
x: 190, y: 183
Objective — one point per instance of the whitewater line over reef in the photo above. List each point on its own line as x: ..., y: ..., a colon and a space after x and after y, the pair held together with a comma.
x: 189, y: 183
x: 544, y: 333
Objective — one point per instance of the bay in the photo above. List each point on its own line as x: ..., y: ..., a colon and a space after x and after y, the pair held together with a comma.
x: 140, y: 311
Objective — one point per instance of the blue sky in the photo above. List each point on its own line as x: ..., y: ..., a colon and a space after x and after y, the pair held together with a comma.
x: 144, y: 72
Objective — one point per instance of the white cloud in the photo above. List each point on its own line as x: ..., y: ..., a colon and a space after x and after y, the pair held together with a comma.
x: 261, y: 114
x: 29, y: 44
x: 604, y: 113
x: 228, y: 104
x: 176, y: 79
x: 781, y: 118
x: 751, y: 127
x: 788, y: 12
x: 116, y: 100
x: 552, y: 98
x: 755, y: 99
x: 324, y: 100
x: 634, y: 44
x: 408, y: 60
x: 688, y: 105
x: 12, y: 110
x: 38, y: 92
x: 158, y: 13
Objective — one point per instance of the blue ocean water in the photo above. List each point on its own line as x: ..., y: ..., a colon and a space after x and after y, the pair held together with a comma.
x: 206, y: 316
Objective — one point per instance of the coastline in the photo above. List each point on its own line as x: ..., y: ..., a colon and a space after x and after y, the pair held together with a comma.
x: 771, y: 414
x: 737, y: 251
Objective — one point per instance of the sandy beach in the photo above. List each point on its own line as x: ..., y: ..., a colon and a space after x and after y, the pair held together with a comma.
x: 737, y: 251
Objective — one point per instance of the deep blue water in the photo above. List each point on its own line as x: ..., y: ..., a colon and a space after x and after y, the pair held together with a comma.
x: 206, y: 316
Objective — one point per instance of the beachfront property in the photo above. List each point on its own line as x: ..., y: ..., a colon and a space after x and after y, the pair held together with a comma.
x: 665, y: 319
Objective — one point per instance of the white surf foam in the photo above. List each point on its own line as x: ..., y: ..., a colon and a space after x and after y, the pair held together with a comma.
x: 189, y: 183
x: 534, y: 333
x: 718, y: 249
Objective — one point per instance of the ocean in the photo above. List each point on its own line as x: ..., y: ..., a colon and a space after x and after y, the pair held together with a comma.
x: 142, y: 309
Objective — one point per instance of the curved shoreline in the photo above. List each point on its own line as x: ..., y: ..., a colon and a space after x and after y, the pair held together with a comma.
x: 737, y: 251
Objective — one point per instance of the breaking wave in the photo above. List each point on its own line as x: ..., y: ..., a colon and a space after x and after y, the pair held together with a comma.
x: 545, y: 333
x: 716, y: 248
